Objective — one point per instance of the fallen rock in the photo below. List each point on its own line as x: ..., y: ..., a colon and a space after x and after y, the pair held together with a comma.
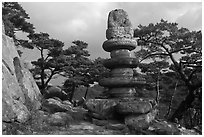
x: 67, y: 102
x: 96, y: 116
x: 53, y: 91
x: 99, y: 122
x: 184, y: 131
x: 141, y: 122
x: 79, y: 113
x: 59, y: 119
x: 51, y: 105
x: 115, y: 126
x: 163, y: 128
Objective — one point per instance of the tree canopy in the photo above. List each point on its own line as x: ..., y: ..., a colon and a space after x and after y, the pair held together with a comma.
x: 15, y: 19
x: 82, y: 70
x: 179, y: 47
x: 52, y: 59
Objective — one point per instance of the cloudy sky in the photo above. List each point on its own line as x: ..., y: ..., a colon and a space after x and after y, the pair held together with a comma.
x: 68, y: 21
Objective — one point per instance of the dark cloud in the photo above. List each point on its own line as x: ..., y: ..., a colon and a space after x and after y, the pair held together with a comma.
x: 87, y: 21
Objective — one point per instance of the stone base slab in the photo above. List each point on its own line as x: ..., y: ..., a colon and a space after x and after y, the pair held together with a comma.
x: 134, y: 106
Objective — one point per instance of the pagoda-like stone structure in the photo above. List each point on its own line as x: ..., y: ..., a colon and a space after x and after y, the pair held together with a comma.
x: 137, y: 113
x: 120, y: 42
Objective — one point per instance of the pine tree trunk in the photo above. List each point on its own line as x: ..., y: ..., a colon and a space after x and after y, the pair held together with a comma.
x: 157, y: 89
x: 171, y: 101
x: 72, y: 93
x: 184, y: 105
x: 87, y: 88
x: 42, y: 82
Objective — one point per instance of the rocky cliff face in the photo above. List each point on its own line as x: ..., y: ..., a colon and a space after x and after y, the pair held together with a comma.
x: 20, y: 94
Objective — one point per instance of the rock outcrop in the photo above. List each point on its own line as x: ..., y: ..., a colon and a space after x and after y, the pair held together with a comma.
x: 20, y: 94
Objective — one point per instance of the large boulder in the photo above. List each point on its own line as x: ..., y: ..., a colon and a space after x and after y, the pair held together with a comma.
x: 59, y: 119
x: 137, y: 123
x: 163, y: 128
x: 20, y: 94
x: 53, y: 91
x: 53, y: 105
x: 135, y: 106
x: 101, y: 108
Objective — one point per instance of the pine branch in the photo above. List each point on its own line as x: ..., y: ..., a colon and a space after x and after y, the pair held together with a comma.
x: 154, y: 54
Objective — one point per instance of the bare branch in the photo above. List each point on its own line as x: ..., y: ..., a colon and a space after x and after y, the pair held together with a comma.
x: 194, y: 66
x: 175, y: 51
x: 47, y: 57
x: 183, y: 49
x: 38, y: 47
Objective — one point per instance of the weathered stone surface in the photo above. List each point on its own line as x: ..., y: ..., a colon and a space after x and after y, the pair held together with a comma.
x: 59, y: 119
x: 67, y: 102
x: 96, y: 116
x: 52, y: 105
x: 122, y: 72
x: 120, y: 62
x: 119, y: 25
x: 163, y: 128
x: 134, y: 106
x: 79, y: 114
x: 120, y: 82
x: 103, y: 107
x: 119, y: 32
x: 121, y: 53
x: 53, y: 91
x: 115, y: 126
x: 118, y: 18
x: 3, y: 30
x: 12, y: 98
x: 122, y: 92
x: 137, y: 123
x: 119, y: 43
x: 20, y: 93
x: 27, y: 85
x: 99, y: 122
x: 85, y: 128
